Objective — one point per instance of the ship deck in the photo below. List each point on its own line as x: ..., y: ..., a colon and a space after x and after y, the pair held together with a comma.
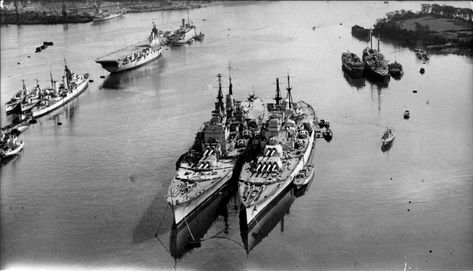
x: 122, y: 53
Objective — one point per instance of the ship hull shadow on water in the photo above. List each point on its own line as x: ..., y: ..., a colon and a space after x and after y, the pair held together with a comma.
x: 267, y: 219
x: 188, y: 235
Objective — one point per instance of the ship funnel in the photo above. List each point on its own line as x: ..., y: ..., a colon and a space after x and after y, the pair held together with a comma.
x: 183, y: 22
x: 65, y: 82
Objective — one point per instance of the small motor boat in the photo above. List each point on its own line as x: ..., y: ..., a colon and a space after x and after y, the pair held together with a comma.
x: 388, y: 136
x: 406, y: 114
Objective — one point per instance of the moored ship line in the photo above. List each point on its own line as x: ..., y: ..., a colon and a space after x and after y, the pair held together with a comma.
x: 210, y: 163
x: 352, y: 65
x: 133, y: 56
x: 375, y: 65
x: 73, y: 85
x: 286, y: 149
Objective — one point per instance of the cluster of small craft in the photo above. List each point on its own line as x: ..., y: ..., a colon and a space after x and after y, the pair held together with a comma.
x: 264, y: 147
x: 374, y: 67
x: 30, y: 104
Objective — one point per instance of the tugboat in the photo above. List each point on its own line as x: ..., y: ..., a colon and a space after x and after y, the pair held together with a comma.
x: 72, y: 86
x: 352, y: 65
x: 375, y: 65
x: 133, y: 56
x: 208, y: 166
x: 285, y: 145
x: 388, y: 137
x: 395, y: 69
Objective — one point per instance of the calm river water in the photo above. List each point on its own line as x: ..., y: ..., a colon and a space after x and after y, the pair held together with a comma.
x: 91, y: 193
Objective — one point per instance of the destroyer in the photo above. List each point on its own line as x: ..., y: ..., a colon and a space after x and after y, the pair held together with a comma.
x: 133, y: 56
x: 287, y: 138
x: 208, y: 166
x: 51, y: 99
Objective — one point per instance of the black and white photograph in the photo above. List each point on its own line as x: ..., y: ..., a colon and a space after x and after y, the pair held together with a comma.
x: 236, y: 135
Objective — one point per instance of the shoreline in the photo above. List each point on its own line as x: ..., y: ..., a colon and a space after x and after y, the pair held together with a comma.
x: 78, y: 12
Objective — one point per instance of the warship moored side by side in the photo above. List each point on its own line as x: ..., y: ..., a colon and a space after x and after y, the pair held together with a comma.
x: 209, y: 165
x: 52, y: 99
x: 285, y: 145
x: 134, y: 55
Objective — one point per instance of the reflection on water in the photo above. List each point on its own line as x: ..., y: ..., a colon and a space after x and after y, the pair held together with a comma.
x: 189, y: 235
x: 354, y: 82
x: 117, y: 80
x: 387, y: 147
x: 254, y: 235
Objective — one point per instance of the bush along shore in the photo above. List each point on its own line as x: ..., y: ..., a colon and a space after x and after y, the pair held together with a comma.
x: 439, y: 29
x: 80, y: 11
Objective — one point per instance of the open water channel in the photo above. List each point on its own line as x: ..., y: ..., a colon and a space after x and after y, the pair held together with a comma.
x: 91, y: 193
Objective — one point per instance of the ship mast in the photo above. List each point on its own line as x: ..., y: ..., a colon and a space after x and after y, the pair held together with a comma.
x: 289, y: 95
x: 278, y: 97
x: 219, y: 104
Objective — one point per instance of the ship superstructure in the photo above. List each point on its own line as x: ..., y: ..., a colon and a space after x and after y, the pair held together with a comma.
x: 286, y: 142
x: 134, y: 55
x: 208, y: 166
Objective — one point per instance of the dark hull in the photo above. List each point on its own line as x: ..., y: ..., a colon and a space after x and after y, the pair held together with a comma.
x: 353, y: 73
x: 375, y: 75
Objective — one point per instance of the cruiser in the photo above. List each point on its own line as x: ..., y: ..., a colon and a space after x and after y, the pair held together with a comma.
x: 133, y: 56
x: 51, y: 99
x: 286, y: 142
x: 208, y: 166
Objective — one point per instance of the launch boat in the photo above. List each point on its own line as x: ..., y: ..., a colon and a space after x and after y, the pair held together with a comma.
x: 133, y: 56
x: 286, y: 143
x: 208, y: 166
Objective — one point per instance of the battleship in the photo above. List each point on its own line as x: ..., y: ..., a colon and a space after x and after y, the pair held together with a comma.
x: 352, y: 65
x: 133, y: 56
x: 60, y: 94
x: 285, y: 145
x: 208, y: 166
x: 376, y: 66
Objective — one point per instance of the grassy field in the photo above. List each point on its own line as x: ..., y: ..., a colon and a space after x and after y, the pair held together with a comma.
x: 449, y: 28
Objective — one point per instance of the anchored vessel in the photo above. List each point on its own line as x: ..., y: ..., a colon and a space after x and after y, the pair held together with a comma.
x: 375, y: 65
x: 208, y: 166
x: 286, y: 142
x: 395, y: 69
x: 133, y: 56
x: 51, y: 99
x: 14, y: 105
x: 388, y: 136
x: 185, y: 34
x: 352, y: 65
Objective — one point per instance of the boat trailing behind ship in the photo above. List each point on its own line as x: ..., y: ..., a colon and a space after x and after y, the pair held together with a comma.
x: 134, y: 55
x: 209, y: 165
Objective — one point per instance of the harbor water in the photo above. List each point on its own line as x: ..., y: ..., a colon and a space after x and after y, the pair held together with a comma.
x: 91, y: 192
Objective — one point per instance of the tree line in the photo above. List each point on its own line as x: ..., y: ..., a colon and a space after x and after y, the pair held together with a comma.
x: 447, y: 11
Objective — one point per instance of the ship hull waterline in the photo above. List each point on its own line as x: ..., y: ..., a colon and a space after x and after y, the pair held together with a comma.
x: 252, y: 215
x: 130, y: 66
